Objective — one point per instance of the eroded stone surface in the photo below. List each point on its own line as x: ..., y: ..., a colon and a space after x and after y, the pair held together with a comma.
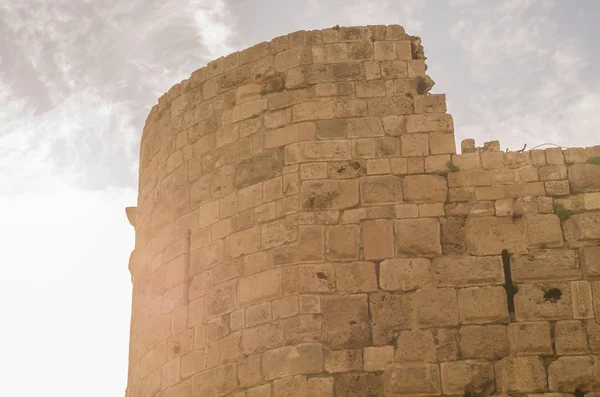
x: 305, y: 228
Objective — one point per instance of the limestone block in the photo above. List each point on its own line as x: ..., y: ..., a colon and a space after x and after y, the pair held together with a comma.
x: 582, y: 227
x: 415, y: 145
x: 337, y: 361
x: 258, y: 168
x: 299, y: 386
x: 435, y: 103
x: 218, y: 381
x: 488, y: 342
x: 285, y: 361
x: 435, y: 307
x: 574, y: 372
x: 360, y: 51
x: 339, y: 194
x: 557, y: 188
x: 482, y: 305
x: 258, y: 314
x: 376, y: 190
x: 530, y: 339
x: 591, y: 201
x: 584, y: 178
x: 543, y: 229
x: 470, y: 178
x: 262, y: 337
x: 330, y: 53
x: 553, y: 172
x: 378, y: 239
x: 242, y: 243
x: 425, y: 189
x: 490, y: 235
x: 405, y: 274
x: 342, y: 242
x: 581, y: 294
x: 377, y: 358
x: 308, y: 279
x: 461, y: 271
x: 590, y: 262
x: 355, y: 277
x: 395, y: 70
x: 429, y: 122
x: 384, y: 50
x: 442, y: 143
x: 381, y: 107
x: 429, y: 345
x: 593, y: 335
x: 452, y: 235
x: 419, y: 237
x: 520, y: 375
x: 570, y: 337
x: 535, y: 302
x: 390, y: 313
x: 345, y: 321
x: 270, y: 283
x: 545, y: 265
x: 458, y: 375
x: 305, y: 111
x: 358, y: 385
x: 413, y: 379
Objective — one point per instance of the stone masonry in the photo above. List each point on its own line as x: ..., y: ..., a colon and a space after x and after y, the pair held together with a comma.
x: 305, y: 228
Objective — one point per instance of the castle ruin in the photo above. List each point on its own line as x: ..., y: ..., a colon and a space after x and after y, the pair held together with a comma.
x: 306, y: 228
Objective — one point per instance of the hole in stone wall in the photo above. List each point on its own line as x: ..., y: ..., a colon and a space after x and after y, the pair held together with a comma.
x: 510, y: 288
x: 321, y: 275
x: 552, y: 295
x: 578, y: 393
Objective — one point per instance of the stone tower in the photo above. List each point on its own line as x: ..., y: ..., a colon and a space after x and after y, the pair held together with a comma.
x: 305, y: 228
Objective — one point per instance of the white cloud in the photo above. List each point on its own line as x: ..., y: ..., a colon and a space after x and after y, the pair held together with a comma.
x: 214, y: 23
x: 529, y: 78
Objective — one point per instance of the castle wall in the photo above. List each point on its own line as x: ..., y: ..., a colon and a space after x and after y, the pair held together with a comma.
x: 305, y: 228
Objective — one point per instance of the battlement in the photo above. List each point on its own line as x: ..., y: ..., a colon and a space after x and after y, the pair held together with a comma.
x: 305, y: 226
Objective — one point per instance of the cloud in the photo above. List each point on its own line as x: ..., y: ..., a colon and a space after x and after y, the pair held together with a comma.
x: 529, y: 79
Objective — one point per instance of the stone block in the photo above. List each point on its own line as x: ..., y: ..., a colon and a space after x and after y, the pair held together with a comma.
x: 319, y: 195
x: 545, y: 265
x: 370, y: 89
x: 580, y: 228
x: 337, y: 361
x: 330, y: 53
x: 306, y: 111
x: 258, y: 168
x: 355, y: 277
x: 413, y: 379
x: 574, y: 372
x: 262, y: 338
x: 591, y: 201
x: 434, y: 103
x: 390, y: 313
x: 590, y: 262
x: 270, y: 283
x: 345, y: 321
x: 470, y: 178
x: 429, y: 345
x: 306, y: 358
x: 530, y: 339
x: 479, y: 305
x: 435, y: 307
x: 384, y: 50
x: 425, y: 189
x: 520, y: 375
x: 308, y: 279
x: 453, y: 235
x: 557, y: 188
x: 584, y: 178
x: 219, y: 381
x: 376, y: 190
x: 593, y: 334
x: 377, y: 358
x: 553, y: 172
x: 342, y: 242
x: 543, y: 230
x: 489, y: 342
x: 285, y: 307
x: 300, y: 386
x: 377, y: 239
x: 459, y: 376
x: 581, y: 294
x: 359, y: 385
x: 462, y: 271
x: 570, y: 337
x: 491, y: 235
x: 414, y: 145
x: 405, y: 274
x: 442, y: 143
x: 418, y: 237
x: 551, y: 301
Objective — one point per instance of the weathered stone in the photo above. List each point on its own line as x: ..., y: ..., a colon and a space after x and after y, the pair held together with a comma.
x: 530, y: 339
x: 259, y: 168
x: 405, y: 274
x: 345, y: 321
x: 584, y: 178
x: 429, y: 345
x: 489, y: 342
x: 425, y: 189
x: 420, y: 237
x: 521, y: 375
x: 459, y: 375
x: 413, y: 379
x: 390, y: 313
x: 545, y: 265
x: 460, y: 271
x: 293, y: 360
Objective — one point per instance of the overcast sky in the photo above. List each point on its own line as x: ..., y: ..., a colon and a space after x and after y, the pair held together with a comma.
x: 78, y: 77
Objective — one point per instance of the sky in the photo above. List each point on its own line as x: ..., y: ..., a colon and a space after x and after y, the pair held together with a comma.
x: 78, y: 78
